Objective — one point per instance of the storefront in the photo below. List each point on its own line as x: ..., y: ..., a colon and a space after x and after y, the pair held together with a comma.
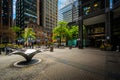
x: 95, y: 34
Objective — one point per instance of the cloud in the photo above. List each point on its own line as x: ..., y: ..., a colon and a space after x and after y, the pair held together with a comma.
x: 61, y: 3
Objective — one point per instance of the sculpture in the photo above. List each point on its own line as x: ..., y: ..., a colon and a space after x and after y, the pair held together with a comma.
x: 27, y: 54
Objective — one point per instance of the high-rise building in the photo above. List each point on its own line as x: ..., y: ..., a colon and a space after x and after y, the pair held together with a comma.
x: 75, y: 11
x: 60, y: 16
x: 67, y: 2
x: 69, y: 11
x: 115, y: 28
x: 101, y: 19
x: 26, y: 10
x: 5, y: 20
x: 48, y: 10
x: 62, y: 10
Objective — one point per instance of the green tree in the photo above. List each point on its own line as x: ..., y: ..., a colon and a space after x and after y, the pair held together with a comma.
x: 60, y: 31
x: 73, y: 32
x: 64, y: 32
x: 28, y: 33
x: 17, y: 30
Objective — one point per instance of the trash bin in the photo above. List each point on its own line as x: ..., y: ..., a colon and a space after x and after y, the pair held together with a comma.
x: 70, y: 47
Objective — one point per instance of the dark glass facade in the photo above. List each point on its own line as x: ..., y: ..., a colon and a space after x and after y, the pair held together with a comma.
x: 93, y: 6
x: 92, y: 16
x: 101, y: 19
x: 26, y: 10
x: 115, y: 29
x: 6, y: 13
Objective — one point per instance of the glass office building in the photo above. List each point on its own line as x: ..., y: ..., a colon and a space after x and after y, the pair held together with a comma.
x: 67, y: 12
x: 26, y: 10
x: 101, y: 19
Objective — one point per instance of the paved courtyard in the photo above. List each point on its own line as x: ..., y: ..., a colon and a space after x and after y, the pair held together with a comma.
x: 64, y: 64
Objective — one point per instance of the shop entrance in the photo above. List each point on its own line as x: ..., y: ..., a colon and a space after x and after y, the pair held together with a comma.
x: 95, y: 41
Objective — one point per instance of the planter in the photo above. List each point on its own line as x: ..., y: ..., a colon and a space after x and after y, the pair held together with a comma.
x: 70, y: 47
x: 108, y: 48
x: 102, y: 49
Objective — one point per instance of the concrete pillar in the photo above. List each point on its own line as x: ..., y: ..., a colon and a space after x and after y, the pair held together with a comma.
x: 108, y: 21
x: 80, y: 35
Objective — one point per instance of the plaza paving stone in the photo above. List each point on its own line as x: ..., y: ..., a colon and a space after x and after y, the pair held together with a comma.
x: 63, y: 64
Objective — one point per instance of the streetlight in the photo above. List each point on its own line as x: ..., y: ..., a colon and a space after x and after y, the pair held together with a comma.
x: 19, y: 40
x: 38, y: 41
x: 58, y: 40
x: 30, y: 41
x: 46, y: 41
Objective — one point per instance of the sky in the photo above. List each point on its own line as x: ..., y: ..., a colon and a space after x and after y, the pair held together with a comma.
x: 14, y: 9
x: 60, y: 3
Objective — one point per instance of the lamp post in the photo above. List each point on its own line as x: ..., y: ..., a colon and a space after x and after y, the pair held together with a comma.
x: 58, y: 40
x: 38, y: 41
x: 19, y: 41
x: 30, y: 41
x: 80, y: 23
x: 46, y: 41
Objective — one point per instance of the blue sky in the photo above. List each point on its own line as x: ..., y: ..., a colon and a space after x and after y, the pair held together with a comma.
x: 14, y: 8
x: 60, y: 3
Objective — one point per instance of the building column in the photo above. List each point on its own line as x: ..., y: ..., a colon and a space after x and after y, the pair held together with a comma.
x: 0, y: 14
x: 108, y: 21
x: 80, y: 34
x: 80, y: 24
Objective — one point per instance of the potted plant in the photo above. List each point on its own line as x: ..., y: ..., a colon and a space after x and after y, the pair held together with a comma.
x: 108, y: 47
x: 102, y: 47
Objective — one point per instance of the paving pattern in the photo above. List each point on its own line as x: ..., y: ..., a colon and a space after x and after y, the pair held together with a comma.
x: 63, y: 64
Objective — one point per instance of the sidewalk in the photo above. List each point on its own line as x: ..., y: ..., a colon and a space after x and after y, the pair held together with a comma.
x: 64, y: 64
x: 113, y: 66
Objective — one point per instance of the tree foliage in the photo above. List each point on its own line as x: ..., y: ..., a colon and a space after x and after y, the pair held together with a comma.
x: 65, y: 32
x: 61, y: 30
x: 28, y: 33
x: 73, y: 32
x: 15, y: 29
